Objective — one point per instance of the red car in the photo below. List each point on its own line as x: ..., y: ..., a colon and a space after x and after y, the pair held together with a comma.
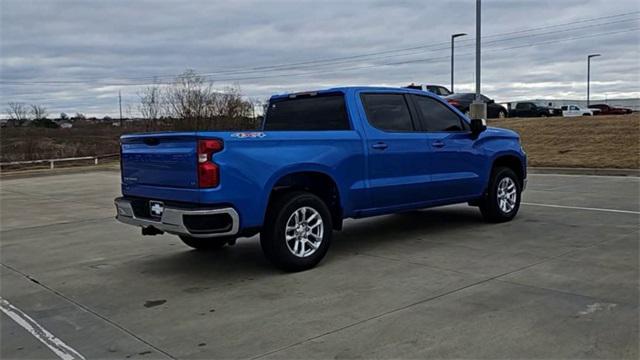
x: 609, y: 110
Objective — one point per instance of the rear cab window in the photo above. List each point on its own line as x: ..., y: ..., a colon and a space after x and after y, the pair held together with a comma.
x: 307, y: 112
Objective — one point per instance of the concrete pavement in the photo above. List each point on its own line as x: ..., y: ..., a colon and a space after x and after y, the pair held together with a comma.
x: 560, y: 281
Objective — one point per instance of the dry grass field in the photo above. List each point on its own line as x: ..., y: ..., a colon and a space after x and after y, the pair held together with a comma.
x: 596, y: 142
x: 593, y: 142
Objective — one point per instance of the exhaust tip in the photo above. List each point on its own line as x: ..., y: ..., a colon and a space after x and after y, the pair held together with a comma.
x: 150, y: 230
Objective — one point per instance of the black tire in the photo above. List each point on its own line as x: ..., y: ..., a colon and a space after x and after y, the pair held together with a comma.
x: 207, y: 244
x: 502, y: 114
x: 489, y: 205
x: 272, y: 237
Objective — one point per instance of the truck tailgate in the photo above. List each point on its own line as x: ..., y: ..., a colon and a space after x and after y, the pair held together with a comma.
x: 160, y: 159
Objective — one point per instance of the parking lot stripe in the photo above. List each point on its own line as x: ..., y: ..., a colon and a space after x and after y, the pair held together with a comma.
x: 628, y: 177
x: 56, y: 345
x: 583, y: 208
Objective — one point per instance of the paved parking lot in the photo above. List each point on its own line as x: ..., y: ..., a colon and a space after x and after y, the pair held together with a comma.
x: 560, y: 281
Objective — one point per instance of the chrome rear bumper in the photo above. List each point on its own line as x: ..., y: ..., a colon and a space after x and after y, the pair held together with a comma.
x: 172, y: 220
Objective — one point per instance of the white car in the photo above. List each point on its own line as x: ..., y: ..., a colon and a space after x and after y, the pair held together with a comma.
x: 575, y: 110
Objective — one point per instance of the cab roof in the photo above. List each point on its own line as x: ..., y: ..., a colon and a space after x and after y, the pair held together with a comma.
x: 345, y: 89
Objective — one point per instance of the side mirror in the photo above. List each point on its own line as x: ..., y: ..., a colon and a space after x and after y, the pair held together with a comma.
x: 478, y: 126
x: 491, y: 101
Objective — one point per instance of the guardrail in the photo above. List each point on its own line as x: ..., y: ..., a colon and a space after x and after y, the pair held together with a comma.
x: 52, y: 162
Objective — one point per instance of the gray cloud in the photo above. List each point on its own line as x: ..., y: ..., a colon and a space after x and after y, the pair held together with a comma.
x: 90, y: 50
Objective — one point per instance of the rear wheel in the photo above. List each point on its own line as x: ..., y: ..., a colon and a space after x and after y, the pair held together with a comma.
x: 502, y: 114
x: 502, y: 201
x: 297, y: 231
x: 207, y: 244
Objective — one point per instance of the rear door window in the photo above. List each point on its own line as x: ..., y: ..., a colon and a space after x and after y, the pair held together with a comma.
x: 435, y: 116
x: 304, y: 112
x: 388, y: 112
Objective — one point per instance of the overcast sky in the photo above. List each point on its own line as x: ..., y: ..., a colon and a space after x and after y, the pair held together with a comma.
x: 74, y: 56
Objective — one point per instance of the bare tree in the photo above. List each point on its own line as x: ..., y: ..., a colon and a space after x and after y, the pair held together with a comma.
x: 231, y: 108
x: 39, y: 112
x: 190, y: 99
x: 150, y: 106
x: 18, y: 113
x: 193, y: 102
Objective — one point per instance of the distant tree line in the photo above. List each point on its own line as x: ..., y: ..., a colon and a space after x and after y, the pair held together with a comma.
x: 188, y: 103
x: 34, y: 115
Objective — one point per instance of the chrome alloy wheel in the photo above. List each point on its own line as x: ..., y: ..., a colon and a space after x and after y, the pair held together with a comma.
x: 507, y: 195
x: 304, y: 232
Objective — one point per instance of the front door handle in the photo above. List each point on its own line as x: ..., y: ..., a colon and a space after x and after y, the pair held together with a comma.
x: 437, y: 144
x: 380, y: 146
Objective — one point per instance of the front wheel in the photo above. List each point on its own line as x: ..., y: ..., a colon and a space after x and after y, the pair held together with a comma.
x: 297, y: 231
x: 502, y: 114
x: 502, y: 201
x: 207, y: 244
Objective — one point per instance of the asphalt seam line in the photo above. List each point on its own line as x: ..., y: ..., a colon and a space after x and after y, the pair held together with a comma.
x: 62, y: 350
x: 582, y: 208
x: 88, y: 310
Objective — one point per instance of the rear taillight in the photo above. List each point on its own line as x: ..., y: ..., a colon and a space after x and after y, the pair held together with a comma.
x: 453, y: 102
x: 208, y: 171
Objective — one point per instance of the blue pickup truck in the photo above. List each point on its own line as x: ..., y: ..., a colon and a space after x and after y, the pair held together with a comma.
x: 320, y: 157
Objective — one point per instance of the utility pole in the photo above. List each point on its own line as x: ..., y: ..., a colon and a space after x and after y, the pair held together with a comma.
x: 120, y: 104
x: 589, y: 74
x: 478, y: 109
x: 453, y: 37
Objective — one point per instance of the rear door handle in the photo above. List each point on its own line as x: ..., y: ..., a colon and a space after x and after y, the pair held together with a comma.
x: 380, y: 146
x: 437, y: 144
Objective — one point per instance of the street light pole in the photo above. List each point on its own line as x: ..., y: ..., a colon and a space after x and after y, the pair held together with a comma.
x: 478, y: 109
x: 453, y: 37
x: 589, y: 75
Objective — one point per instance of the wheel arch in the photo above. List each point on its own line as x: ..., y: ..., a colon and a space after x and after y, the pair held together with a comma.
x: 316, y: 181
x: 512, y: 161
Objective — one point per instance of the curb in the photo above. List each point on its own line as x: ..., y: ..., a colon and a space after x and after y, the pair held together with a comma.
x: 585, y: 171
x: 108, y: 167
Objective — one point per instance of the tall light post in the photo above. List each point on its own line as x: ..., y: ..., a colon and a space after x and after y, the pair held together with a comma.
x: 453, y: 37
x: 589, y: 74
x: 478, y: 109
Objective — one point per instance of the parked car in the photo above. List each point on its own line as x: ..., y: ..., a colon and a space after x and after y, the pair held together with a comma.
x: 436, y: 89
x: 462, y: 101
x: 319, y: 158
x: 529, y: 109
x: 575, y: 110
x: 605, y: 109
